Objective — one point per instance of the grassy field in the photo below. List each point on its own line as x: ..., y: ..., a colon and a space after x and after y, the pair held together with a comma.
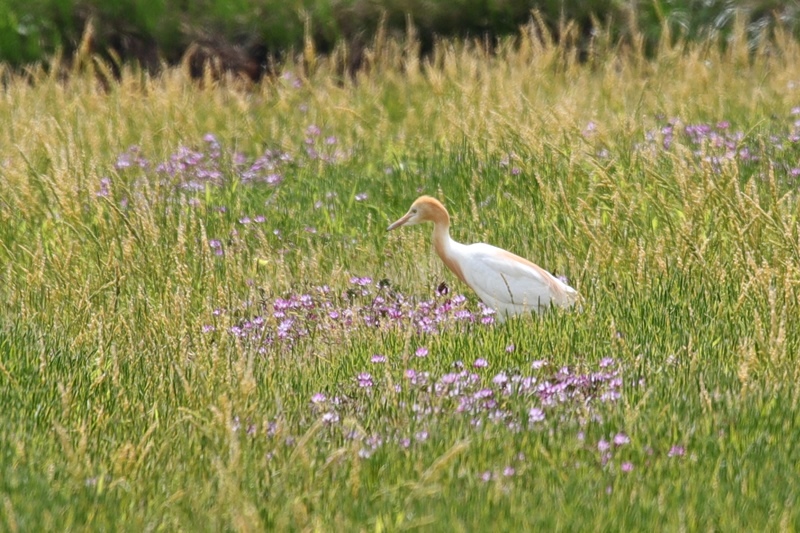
x: 206, y: 326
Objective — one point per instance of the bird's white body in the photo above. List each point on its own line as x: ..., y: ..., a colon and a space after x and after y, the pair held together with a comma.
x: 503, y: 281
x: 508, y: 283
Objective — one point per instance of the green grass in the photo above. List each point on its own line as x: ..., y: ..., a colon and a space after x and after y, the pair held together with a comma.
x: 123, y: 408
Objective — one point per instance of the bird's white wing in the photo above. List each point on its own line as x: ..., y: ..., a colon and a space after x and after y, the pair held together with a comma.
x: 509, y: 283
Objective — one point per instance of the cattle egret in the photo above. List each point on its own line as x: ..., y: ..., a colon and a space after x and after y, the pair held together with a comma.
x: 505, y: 282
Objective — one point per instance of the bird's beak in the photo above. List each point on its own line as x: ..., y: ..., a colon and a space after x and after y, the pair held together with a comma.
x: 400, y: 222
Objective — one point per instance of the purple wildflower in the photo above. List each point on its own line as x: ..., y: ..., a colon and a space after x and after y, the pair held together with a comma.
x: 318, y: 398
x: 500, y: 379
x: 105, y: 188
x: 535, y: 415
x: 331, y: 417
x: 483, y: 394
x: 676, y: 451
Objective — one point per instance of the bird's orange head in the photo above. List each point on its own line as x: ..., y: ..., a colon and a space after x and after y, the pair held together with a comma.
x: 424, y: 209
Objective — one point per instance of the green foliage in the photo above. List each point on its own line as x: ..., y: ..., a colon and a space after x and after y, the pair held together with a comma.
x: 144, y: 381
x: 147, y: 30
x: 31, y: 31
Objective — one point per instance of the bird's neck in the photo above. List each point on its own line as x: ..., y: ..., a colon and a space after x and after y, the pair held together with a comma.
x: 443, y: 245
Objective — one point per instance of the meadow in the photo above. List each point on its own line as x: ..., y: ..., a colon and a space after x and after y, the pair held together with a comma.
x: 206, y: 326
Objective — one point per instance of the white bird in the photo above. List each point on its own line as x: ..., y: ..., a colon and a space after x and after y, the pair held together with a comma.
x: 504, y: 281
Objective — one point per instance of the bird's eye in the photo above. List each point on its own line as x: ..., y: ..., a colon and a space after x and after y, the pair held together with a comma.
x: 414, y: 211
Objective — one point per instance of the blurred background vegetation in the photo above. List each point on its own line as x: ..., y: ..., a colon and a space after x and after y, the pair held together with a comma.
x: 247, y: 36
